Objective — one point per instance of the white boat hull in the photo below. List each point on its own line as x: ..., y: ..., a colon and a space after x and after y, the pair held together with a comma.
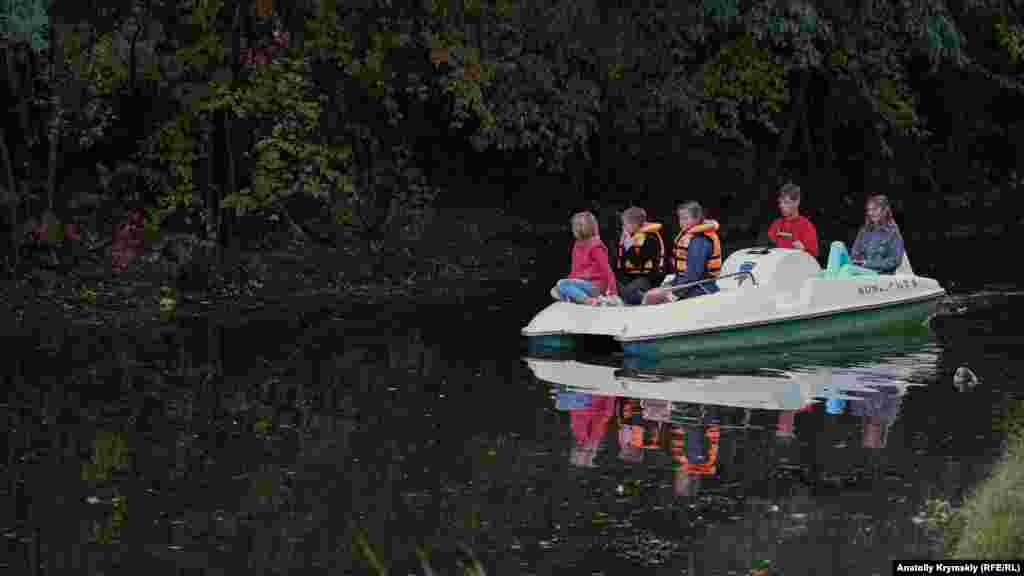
x: 787, y: 304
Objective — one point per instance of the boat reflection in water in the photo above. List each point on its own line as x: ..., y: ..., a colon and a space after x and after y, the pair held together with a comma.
x: 685, y: 407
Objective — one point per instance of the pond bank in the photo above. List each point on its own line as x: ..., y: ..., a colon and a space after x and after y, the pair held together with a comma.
x: 987, y: 524
x: 462, y: 255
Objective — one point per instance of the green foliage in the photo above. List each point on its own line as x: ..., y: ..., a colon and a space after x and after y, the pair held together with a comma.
x: 328, y: 38
x: 171, y: 153
x: 292, y: 150
x: 467, y: 563
x: 807, y: 19
x: 720, y: 9
x: 466, y: 86
x: 167, y: 301
x: 533, y: 111
x: 108, y: 531
x: 981, y: 525
x: 542, y: 81
x: 1011, y: 38
x: 109, y: 453
x: 944, y: 40
x: 367, y: 552
x: 991, y: 527
x: 1011, y: 421
x: 896, y: 103
x: 263, y: 425
x: 26, y: 21
x: 796, y: 30
x: 209, y: 48
x: 87, y: 296
x: 943, y: 519
x: 743, y: 82
x: 839, y: 58
x: 99, y: 67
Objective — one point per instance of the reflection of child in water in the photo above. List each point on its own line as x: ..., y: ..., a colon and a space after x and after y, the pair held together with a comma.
x: 628, y: 452
x: 641, y: 427
x: 647, y: 425
x: 878, y: 410
x: 695, y: 450
x: 785, y: 430
x: 589, y: 425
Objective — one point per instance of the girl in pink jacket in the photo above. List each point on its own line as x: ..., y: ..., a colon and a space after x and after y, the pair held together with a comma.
x: 590, y: 276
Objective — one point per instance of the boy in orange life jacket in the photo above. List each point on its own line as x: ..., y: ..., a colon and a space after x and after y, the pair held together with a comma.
x: 696, y: 253
x: 640, y: 264
x: 793, y: 230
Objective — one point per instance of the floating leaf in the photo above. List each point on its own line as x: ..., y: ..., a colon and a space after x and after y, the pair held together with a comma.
x: 264, y: 8
x: 440, y: 55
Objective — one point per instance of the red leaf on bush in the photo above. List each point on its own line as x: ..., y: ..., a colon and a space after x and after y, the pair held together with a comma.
x: 128, y: 241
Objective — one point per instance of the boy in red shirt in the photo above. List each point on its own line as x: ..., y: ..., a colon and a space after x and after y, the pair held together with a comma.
x: 793, y: 230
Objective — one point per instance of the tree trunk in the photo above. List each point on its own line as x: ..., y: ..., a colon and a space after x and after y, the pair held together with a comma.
x: 786, y: 140
x: 55, y: 135
x: 54, y: 131
x: 246, y: 30
x: 480, y: 25
x: 365, y: 158
x: 132, y: 74
x: 230, y: 180
x: 16, y: 95
x: 768, y: 179
x: 297, y: 25
x: 604, y: 150
x: 866, y: 9
x: 231, y: 187
x: 212, y: 191
x: 805, y: 129
x: 867, y: 160
x: 828, y: 125
x: 383, y: 192
x: 12, y: 199
x: 234, y: 59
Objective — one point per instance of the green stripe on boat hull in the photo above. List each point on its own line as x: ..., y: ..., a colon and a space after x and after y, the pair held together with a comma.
x: 552, y: 343
x: 890, y: 320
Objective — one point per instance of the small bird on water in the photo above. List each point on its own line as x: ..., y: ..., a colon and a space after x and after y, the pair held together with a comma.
x: 964, y: 379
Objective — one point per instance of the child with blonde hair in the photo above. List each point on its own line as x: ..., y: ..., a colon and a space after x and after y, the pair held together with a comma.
x: 590, y: 276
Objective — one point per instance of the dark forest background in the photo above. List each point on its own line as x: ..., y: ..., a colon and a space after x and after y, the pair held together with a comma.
x: 360, y: 123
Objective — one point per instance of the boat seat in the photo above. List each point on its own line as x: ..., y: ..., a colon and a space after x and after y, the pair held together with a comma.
x: 904, y: 267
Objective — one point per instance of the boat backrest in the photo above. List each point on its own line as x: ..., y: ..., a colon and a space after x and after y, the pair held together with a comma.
x: 784, y: 269
x: 904, y: 267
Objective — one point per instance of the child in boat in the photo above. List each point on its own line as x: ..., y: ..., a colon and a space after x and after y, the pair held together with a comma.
x: 640, y: 264
x: 878, y: 249
x: 591, y: 280
x: 793, y: 230
x: 697, y: 254
x: 879, y: 244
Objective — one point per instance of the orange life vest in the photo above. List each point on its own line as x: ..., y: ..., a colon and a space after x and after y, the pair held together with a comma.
x: 678, y: 449
x: 649, y: 229
x: 627, y: 408
x: 708, y: 228
x: 647, y: 436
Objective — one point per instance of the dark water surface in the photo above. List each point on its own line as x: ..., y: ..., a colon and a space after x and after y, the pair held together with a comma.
x: 257, y: 448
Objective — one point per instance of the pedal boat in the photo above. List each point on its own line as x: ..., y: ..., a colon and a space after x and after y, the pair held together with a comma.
x: 767, y: 296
